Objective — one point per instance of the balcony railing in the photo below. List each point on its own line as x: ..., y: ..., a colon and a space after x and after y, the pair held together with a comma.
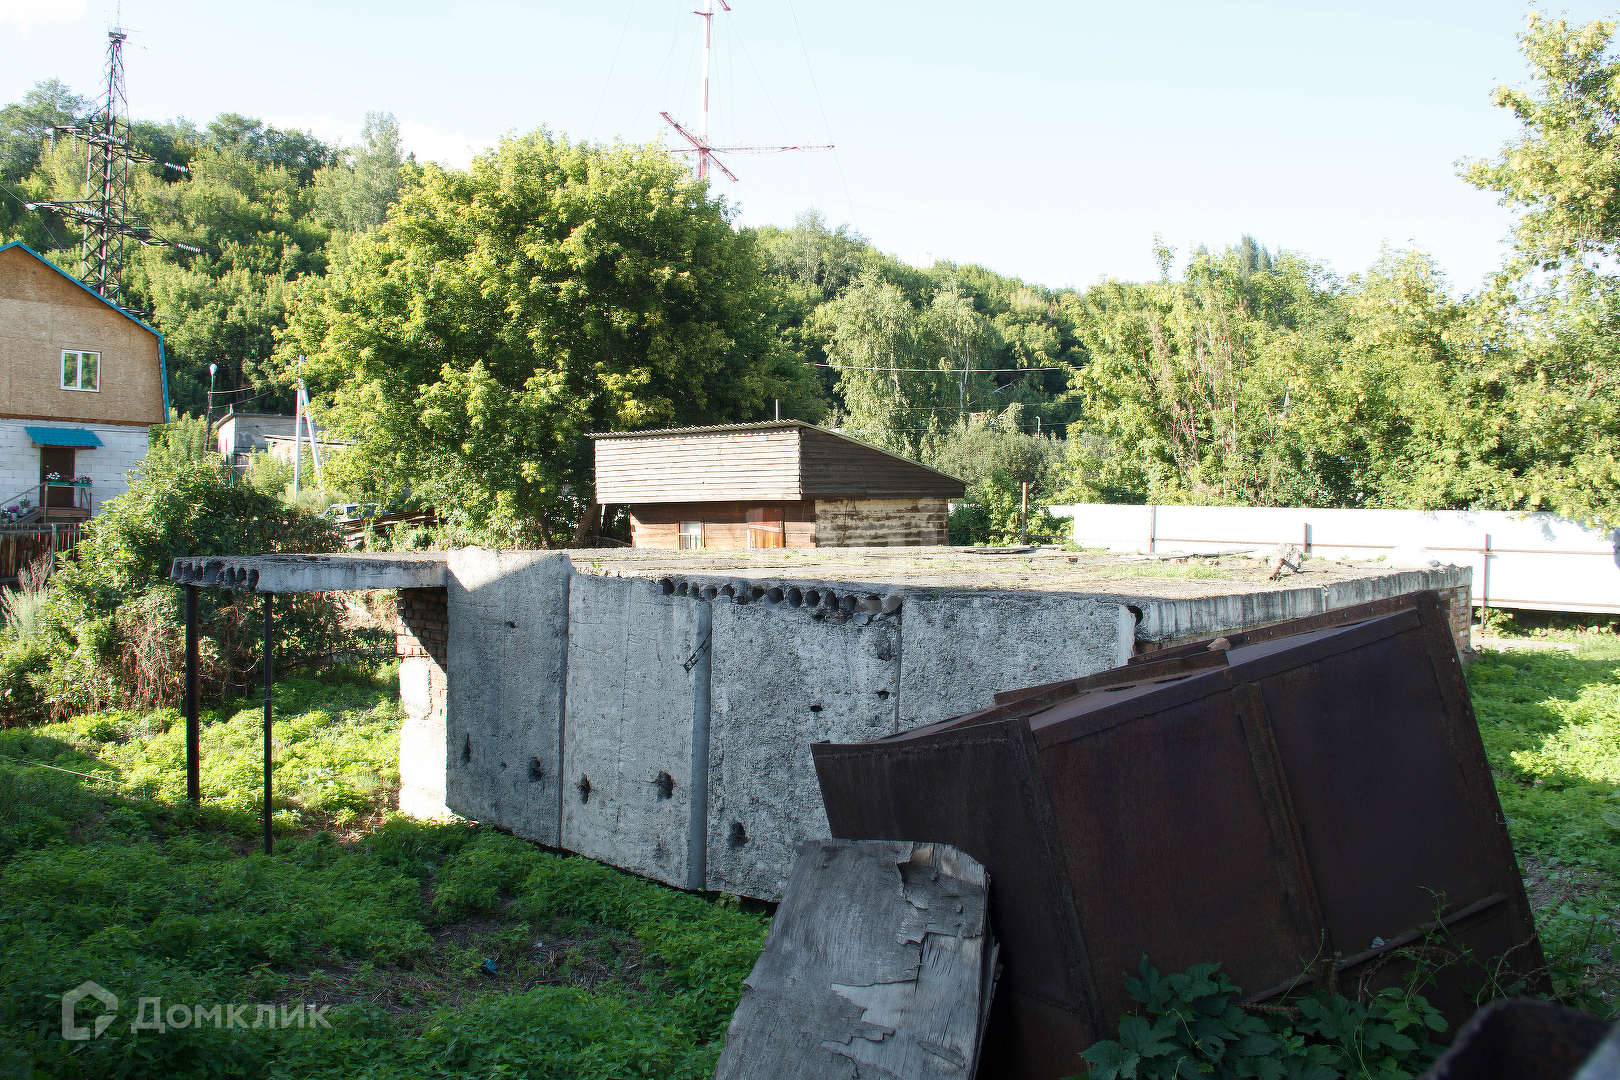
x: 52, y: 495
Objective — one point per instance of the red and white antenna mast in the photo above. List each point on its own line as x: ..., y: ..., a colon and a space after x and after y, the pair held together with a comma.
x: 700, y: 142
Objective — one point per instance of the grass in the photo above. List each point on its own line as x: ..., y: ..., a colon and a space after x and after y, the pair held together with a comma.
x: 1551, y: 727
x: 106, y: 873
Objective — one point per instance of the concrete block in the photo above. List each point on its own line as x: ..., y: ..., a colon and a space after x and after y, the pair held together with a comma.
x: 508, y: 647
x: 422, y: 740
x: 785, y: 677
x: 632, y: 674
x: 959, y: 649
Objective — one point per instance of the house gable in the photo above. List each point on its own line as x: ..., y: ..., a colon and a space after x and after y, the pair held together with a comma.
x: 44, y: 312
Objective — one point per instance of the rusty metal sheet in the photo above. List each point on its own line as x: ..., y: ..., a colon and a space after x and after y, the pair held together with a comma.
x: 1168, y: 667
x: 1305, y: 815
x: 1521, y: 1040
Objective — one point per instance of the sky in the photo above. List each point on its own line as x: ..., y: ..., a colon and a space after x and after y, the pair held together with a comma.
x: 1049, y: 141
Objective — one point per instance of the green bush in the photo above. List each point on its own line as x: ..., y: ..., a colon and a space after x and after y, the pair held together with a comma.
x: 113, y: 620
x: 1192, y: 1026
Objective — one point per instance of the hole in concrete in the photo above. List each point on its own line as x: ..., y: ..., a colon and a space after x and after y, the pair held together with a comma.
x: 708, y: 592
x: 727, y: 590
x: 846, y: 603
x: 831, y: 600
x: 738, y: 835
x: 812, y: 597
x: 815, y: 708
x: 680, y: 589
x: 466, y: 750
x: 584, y: 787
x: 883, y: 693
x: 512, y: 624
x: 667, y: 587
x: 756, y: 592
x: 665, y: 785
x: 1134, y: 610
x: 536, y: 770
x: 775, y: 595
x: 794, y: 597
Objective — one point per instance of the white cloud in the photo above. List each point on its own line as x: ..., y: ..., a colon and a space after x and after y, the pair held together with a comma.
x: 27, y: 13
x: 451, y: 149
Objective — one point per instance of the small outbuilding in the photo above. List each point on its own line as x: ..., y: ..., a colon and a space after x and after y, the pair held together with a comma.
x: 781, y: 483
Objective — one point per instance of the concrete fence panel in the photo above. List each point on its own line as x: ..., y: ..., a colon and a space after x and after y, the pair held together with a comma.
x: 505, y: 688
x: 633, y: 668
x: 1533, y: 561
x: 783, y: 678
x: 961, y: 648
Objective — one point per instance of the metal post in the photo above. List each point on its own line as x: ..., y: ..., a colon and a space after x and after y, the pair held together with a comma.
x: 298, y: 415
x: 269, y: 683
x: 193, y: 725
x: 1023, y: 514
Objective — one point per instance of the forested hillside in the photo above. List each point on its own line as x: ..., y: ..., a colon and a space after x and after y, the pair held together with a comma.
x: 468, y: 327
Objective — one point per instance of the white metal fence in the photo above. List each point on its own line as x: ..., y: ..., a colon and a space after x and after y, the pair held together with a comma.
x: 1533, y: 561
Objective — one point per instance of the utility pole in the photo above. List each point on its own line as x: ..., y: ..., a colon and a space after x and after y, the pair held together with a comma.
x: 700, y: 142
x: 104, y: 217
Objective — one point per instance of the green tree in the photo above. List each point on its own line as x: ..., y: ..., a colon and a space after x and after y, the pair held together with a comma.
x: 906, y: 373
x: 554, y: 289
x: 25, y: 126
x: 353, y: 193
x: 1548, y: 349
x: 1190, y: 391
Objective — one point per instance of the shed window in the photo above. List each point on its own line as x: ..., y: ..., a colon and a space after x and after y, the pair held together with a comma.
x: 81, y: 370
x: 765, y: 527
x: 691, y: 534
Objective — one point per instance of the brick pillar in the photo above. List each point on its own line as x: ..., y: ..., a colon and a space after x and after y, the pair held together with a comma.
x: 1460, y: 614
x: 421, y: 638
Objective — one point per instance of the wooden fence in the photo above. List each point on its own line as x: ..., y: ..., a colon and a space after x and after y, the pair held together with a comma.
x: 23, y: 545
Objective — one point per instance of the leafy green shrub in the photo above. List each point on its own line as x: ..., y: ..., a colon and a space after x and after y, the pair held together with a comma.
x: 113, y: 619
x: 1193, y: 1027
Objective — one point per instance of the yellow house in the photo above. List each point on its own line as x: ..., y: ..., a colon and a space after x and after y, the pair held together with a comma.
x: 81, y: 380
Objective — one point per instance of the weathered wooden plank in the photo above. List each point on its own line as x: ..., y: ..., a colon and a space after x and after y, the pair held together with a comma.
x: 879, y: 963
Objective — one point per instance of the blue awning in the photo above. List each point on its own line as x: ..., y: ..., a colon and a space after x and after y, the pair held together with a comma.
x: 63, y: 436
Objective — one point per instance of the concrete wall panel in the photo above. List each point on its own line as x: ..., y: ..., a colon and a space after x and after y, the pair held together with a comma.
x: 628, y: 731
x: 961, y: 649
x: 783, y: 678
x: 506, y: 664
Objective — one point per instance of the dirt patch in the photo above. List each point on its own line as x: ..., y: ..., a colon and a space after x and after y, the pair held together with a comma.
x: 556, y: 952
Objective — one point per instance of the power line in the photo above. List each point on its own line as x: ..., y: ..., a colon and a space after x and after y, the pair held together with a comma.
x: 824, y: 122
x: 591, y: 131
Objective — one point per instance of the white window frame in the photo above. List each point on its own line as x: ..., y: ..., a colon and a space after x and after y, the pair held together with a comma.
x: 78, y: 369
x: 682, y: 534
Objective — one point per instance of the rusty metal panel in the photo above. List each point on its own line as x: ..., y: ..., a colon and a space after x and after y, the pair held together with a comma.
x: 1300, y: 814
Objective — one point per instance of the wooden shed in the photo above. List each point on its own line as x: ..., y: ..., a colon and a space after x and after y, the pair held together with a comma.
x: 781, y: 483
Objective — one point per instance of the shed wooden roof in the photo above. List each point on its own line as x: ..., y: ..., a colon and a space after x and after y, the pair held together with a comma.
x: 774, y: 461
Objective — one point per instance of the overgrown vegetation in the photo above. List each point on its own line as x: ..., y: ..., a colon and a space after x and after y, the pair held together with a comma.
x: 1551, y: 725
x: 107, y: 874
x: 1191, y: 1025
x: 108, y: 630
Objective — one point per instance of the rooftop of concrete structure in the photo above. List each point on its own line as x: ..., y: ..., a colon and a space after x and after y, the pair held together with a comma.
x: 1046, y: 569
